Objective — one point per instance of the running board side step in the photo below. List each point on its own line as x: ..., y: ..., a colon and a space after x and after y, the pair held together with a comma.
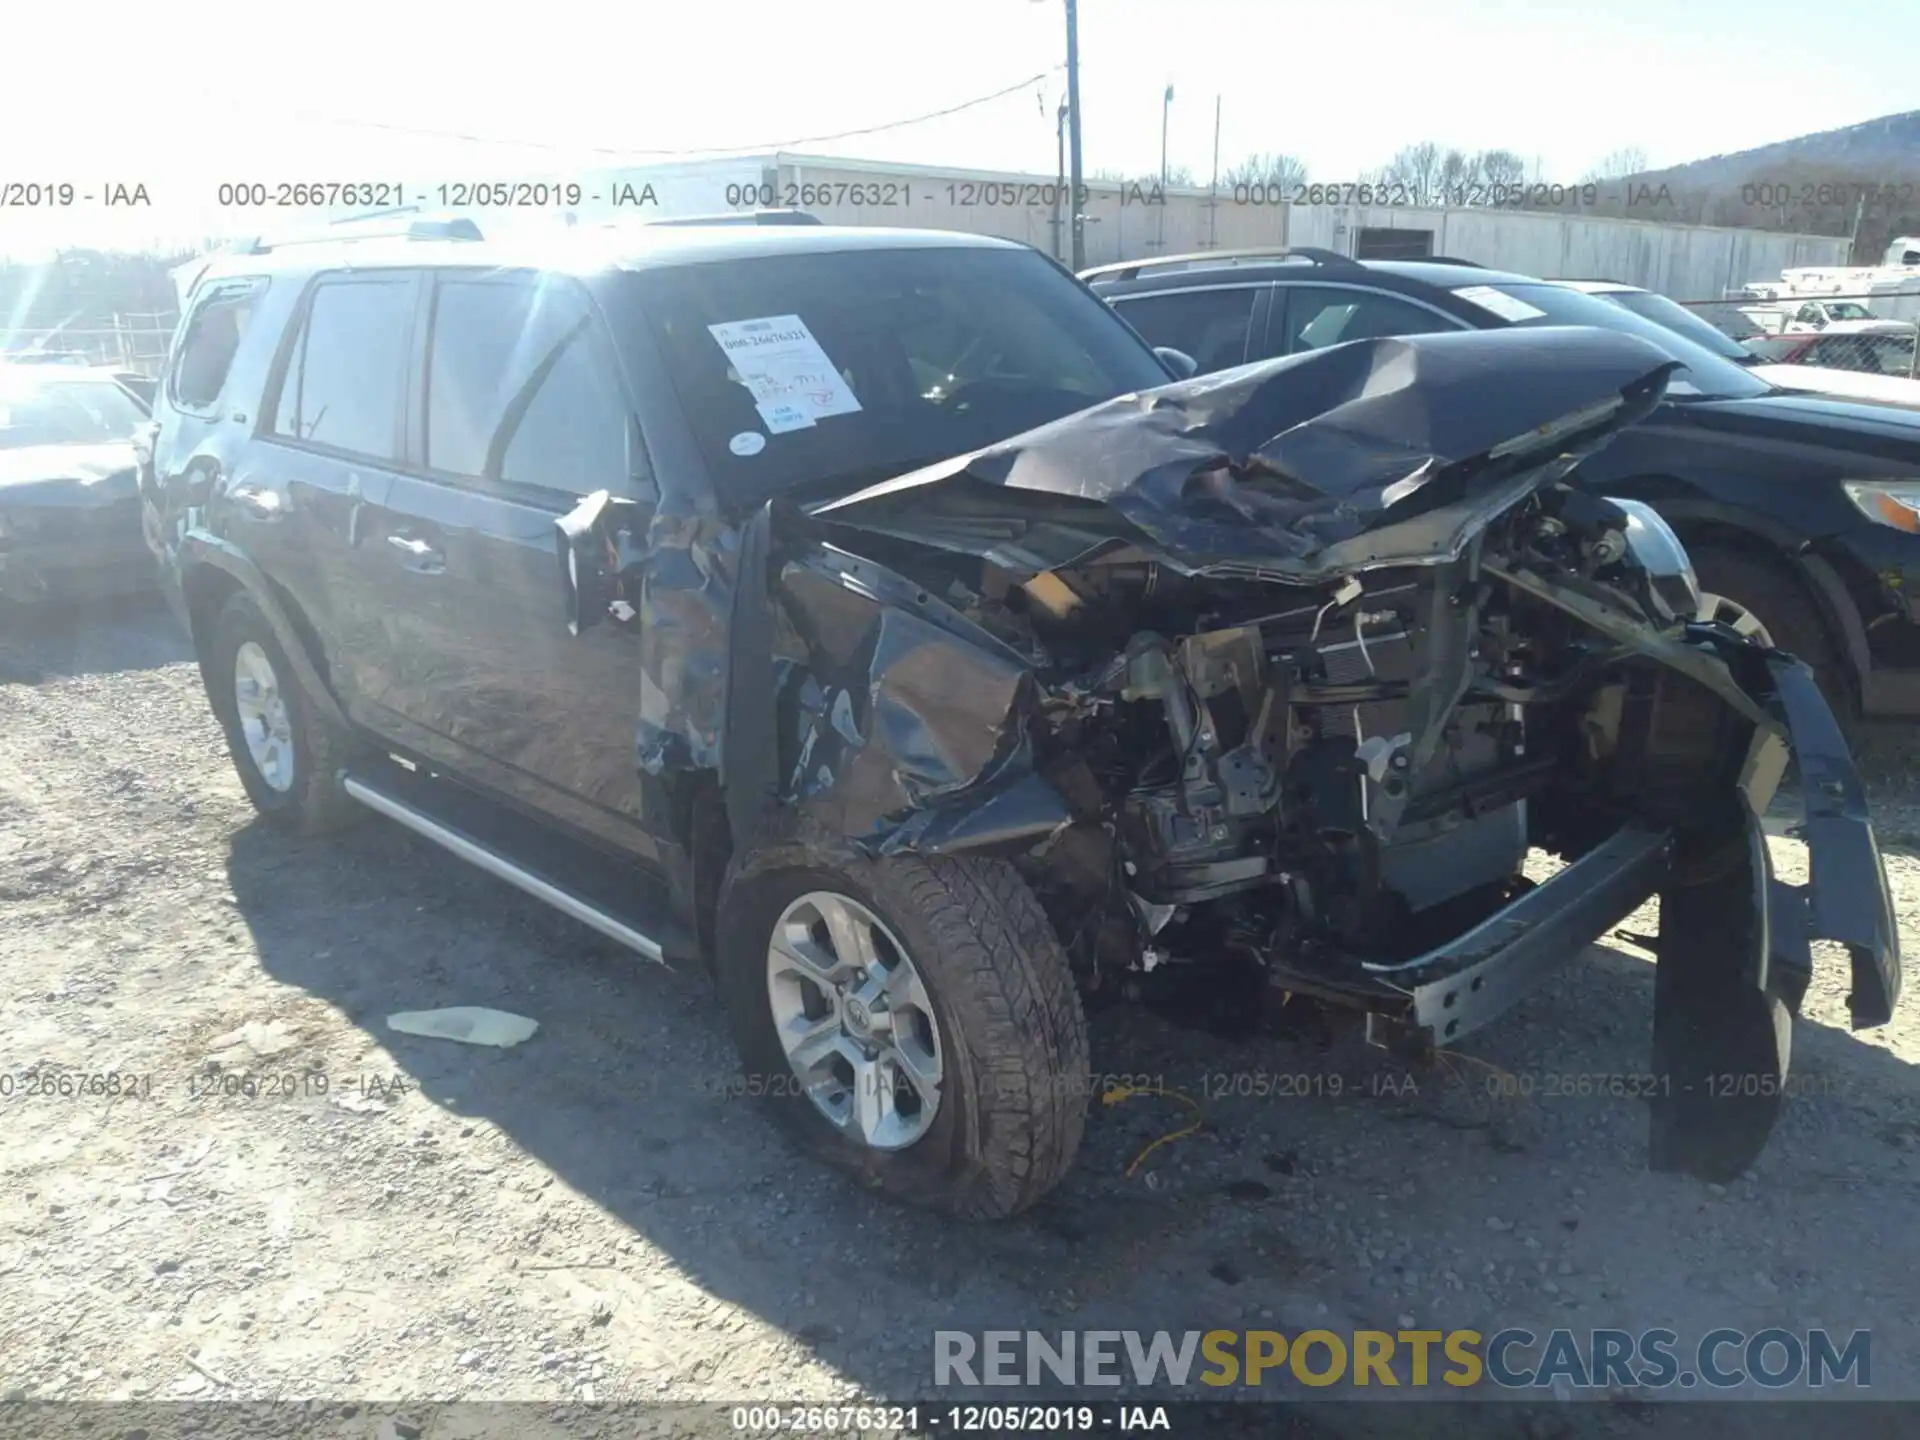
x: 485, y: 857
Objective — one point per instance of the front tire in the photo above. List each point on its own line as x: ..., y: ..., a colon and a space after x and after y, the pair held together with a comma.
x: 287, y: 754
x: 910, y: 1019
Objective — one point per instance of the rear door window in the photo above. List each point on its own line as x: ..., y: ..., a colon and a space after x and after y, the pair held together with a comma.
x: 1210, y: 325
x: 345, y: 383
x: 522, y: 386
x: 1321, y: 315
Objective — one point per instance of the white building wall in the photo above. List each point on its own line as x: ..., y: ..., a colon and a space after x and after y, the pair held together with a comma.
x: 1123, y: 222
x: 1684, y: 261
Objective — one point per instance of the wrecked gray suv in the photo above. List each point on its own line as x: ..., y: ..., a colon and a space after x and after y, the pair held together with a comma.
x: 871, y: 615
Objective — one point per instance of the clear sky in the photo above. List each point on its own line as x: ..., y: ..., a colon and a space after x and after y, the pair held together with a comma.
x: 180, y: 98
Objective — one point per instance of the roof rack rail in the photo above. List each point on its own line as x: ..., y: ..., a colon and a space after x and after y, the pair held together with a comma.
x: 744, y: 217
x: 457, y: 228
x: 1128, y: 269
x: 1447, y: 260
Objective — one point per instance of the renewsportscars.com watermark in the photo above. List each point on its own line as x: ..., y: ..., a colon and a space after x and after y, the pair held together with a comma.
x: 1514, y: 1359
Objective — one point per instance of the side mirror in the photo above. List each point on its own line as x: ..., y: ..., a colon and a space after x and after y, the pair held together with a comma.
x: 1183, y: 365
x: 596, y: 547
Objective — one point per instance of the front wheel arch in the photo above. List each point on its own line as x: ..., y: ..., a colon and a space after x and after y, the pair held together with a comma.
x: 212, y: 571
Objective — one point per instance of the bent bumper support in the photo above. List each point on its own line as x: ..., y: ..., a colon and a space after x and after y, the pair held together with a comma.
x: 1465, y: 984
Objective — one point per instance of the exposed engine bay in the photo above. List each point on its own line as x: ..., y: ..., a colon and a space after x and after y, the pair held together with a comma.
x: 1319, y: 778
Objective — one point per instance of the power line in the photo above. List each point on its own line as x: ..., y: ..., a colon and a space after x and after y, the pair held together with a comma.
x: 462, y: 136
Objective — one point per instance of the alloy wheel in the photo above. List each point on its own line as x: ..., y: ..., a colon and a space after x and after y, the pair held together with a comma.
x: 264, y: 722
x: 855, y: 1021
x: 1736, y: 616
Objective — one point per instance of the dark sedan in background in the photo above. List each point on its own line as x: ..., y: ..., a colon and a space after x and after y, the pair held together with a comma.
x: 69, y: 506
x: 1801, y: 512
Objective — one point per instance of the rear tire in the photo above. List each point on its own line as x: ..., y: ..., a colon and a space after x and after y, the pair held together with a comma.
x: 1007, y: 1038
x: 288, y: 755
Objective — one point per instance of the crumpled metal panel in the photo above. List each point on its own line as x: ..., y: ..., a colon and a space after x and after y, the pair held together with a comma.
x: 902, y: 717
x: 1371, y: 453
x: 685, y: 608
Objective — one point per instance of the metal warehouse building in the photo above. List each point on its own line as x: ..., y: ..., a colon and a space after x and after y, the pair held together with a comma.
x: 1687, y: 262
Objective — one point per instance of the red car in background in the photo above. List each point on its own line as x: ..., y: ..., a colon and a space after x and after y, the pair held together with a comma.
x: 1871, y: 354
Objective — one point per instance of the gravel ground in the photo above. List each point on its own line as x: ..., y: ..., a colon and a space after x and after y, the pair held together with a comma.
x: 299, y: 1203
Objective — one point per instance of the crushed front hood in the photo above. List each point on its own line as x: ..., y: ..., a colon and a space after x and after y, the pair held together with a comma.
x: 1376, y: 452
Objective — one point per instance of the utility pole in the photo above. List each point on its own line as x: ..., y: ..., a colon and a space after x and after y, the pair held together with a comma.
x: 1166, y: 108
x: 1060, y: 178
x: 1213, y: 185
x: 1074, y: 122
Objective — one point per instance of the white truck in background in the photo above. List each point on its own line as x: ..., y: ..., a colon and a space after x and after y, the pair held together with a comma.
x: 1805, y: 297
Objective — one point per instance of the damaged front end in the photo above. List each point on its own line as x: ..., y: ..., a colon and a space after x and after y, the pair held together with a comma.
x: 70, y: 523
x: 1297, y: 664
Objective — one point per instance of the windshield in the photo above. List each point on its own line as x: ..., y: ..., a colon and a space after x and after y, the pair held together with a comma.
x: 46, y: 408
x: 1848, y: 310
x: 1707, y: 375
x: 837, y: 368
x: 1682, y: 321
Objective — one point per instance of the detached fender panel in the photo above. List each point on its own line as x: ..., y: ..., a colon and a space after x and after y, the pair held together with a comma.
x: 1848, y: 900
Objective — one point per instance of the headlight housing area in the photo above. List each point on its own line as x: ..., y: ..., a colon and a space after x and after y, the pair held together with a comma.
x: 1889, y: 502
x: 1674, y: 588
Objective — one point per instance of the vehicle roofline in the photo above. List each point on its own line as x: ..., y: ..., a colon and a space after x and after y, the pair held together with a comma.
x: 583, y: 251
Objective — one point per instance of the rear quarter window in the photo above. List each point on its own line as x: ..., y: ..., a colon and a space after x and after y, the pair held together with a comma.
x: 208, y: 343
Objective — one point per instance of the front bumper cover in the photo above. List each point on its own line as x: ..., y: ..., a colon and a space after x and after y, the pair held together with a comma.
x: 89, y: 553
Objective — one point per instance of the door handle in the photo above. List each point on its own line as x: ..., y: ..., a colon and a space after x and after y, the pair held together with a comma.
x: 421, y: 555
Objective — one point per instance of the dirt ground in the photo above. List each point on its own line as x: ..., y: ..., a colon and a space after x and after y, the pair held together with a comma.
x: 287, y: 1200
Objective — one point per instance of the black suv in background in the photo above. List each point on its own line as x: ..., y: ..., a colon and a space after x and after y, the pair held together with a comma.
x: 869, y: 613
x: 1801, y: 512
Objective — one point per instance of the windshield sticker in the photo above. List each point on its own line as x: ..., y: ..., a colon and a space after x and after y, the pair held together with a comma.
x: 747, y: 442
x: 1498, y: 302
x: 780, y: 416
x: 781, y: 364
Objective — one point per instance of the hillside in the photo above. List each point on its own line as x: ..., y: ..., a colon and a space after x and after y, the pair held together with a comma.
x: 1825, y: 183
